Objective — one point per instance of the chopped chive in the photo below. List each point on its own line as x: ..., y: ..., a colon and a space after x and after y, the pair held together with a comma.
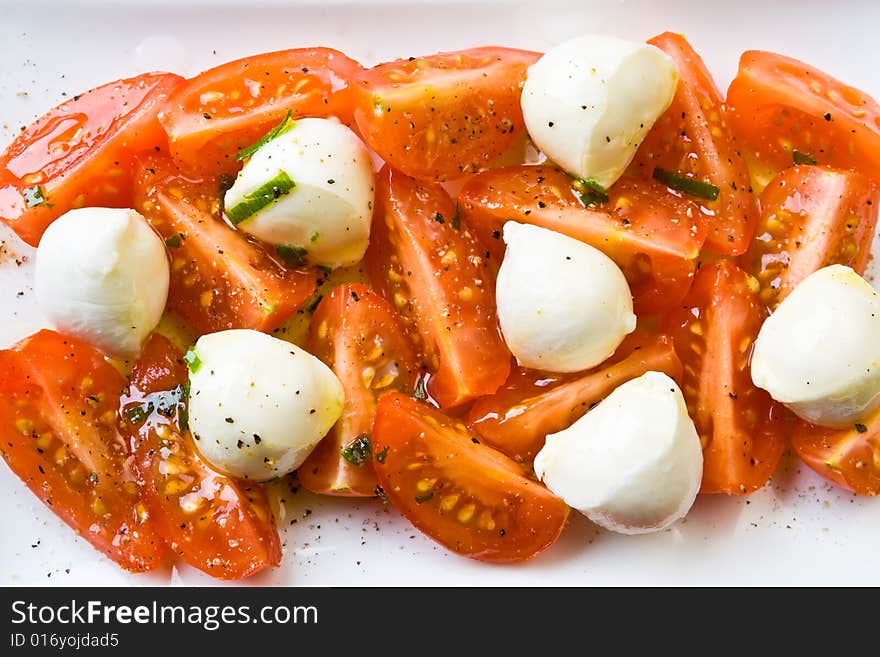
x: 456, y: 218
x: 138, y: 414
x: 421, y: 391
x: 278, y: 130
x: 34, y: 196
x: 192, y: 360
x: 803, y: 158
x: 591, y: 192
x: 380, y: 456
x: 173, y: 241
x: 686, y: 185
x: 262, y: 196
x: 293, y: 256
x: 358, y: 450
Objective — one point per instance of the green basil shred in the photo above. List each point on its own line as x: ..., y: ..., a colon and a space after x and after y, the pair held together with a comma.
x: 293, y: 256
x: 686, y: 185
x: 380, y: 456
x: 261, y: 197
x: 803, y: 158
x: 192, y: 360
x: 285, y: 125
x: 591, y: 192
x: 173, y: 242
x: 359, y: 450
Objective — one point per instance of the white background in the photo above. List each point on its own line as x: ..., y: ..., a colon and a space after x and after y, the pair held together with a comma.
x: 799, y: 530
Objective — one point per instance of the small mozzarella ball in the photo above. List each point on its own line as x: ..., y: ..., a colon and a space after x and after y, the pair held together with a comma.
x: 819, y: 352
x: 633, y: 464
x: 102, y: 275
x: 326, y: 215
x: 259, y: 405
x: 589, y: 102
x: 563, y: 306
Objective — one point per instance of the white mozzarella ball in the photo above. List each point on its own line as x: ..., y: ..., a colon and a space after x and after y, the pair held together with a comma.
x: 259, y: 405
x: 633, y: 464
x: 102, y: 275
x: 325, y: 214
x: 563, y: 305
x: 819, y: 352
x: 589, y: 102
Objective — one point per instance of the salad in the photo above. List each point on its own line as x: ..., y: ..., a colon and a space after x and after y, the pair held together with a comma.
x: 487, y: 286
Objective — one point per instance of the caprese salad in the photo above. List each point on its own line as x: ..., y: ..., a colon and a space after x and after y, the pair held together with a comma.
x: 652, y: 305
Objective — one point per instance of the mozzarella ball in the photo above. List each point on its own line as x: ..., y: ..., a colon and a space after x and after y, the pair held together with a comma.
x: 325, y: 214
x: 259, y: 405
x: 563, y: 306
x: 633, y: 464
x: 589, y: 102
x: 819, y: 352
x: 102, y: 275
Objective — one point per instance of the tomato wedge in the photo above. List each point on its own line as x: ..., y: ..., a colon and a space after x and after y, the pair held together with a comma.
x: 80, y: 153
x: 358, y: 334
x: 692, y: 139
x: 533, y: 404
x: 443, y: 116
x: 848, y: 457
x: 58, y: 423
x: 741, y: 428
x: 437, y: 275
x: 226, y: 108
x: 464, y: 495
x: 220, y: 279
x: 655, y: 237
x: 781, y: 106
x: 811, y: 217
x: 219, y: 525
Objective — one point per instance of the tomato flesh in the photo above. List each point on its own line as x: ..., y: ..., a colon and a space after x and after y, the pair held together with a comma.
x: 780, y: 105
x: 443, y: 116
x: 693, y: 139
x: 59, y: 429
x: 465, y: 495
x: 533, y: 404
x: 219, y: 525
x: 654, y: 237
x: 811, y: 217
x: 742, y: 430
x: 226, y: 108
x: 438, y: 277
x: 80, y: 153
x: 220, y: 279
x: 358, y: 334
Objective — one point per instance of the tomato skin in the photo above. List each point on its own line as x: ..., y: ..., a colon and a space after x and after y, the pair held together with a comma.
x: 779, y: 105
x: 811, y: 217
x: 433, y: 468
x: 215, y: 114
x: 655, y: 237
x: 80, y: 153
x: 220, y: 279
x: 533, y: 404
x: 221, y: 526
x: 358, y: 334
x: 446, y: 115
x: 848, y: 457
x: 694, y: 139
x: 439, y: 278
x: 59, y: 425
x: 743, y: 431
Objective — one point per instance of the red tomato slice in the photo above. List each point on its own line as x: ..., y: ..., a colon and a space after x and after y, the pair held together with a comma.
x: 58, y: 422
x: 220, y: 279
x: 358, y: 334
x: 79, y: 154
x: 219, y: 525
x: 655, y: 237
x: 446, y: 115
x: 692, y: 138
x: 781, y: 105
x: 811, y: 217
x: 533, y: 404
x: 437, y: 275
x: 848, y: 457
x: 229, y: 107
x: 464, y: 495
x: 741, y: 428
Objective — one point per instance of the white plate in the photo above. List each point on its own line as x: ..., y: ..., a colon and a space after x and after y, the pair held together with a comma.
x: 799, y: 530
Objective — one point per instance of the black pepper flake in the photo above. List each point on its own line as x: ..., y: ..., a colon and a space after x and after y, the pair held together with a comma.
x: 229, y: 420
x: 257, y: 439
x: 354, y: 295
x: 861, y: 428
x: 827, y: 116
x: 239, y: 444
x: 206, y: 115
